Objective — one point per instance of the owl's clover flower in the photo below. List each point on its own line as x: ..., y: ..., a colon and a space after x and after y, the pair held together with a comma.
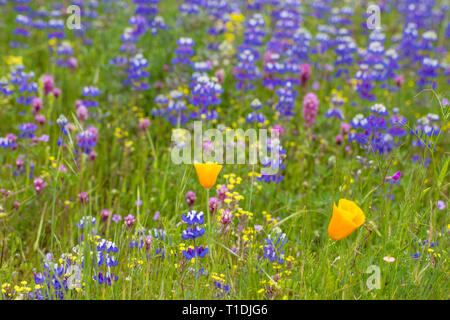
x: 310, y: 108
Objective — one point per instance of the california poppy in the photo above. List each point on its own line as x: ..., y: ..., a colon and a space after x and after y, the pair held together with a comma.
x: 207, y: 173
x: 347, y: 217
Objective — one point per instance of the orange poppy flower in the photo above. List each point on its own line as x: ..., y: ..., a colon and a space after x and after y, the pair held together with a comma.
x: 347, y: 217
x: 207, y: 173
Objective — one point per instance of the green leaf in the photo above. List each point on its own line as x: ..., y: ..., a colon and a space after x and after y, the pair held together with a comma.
x: 425, y: 191
x: 443, y: 172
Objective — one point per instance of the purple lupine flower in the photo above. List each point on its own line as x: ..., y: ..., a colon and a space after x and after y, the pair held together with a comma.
x: 201, y: 251
x: 273, y: 249
x: 184, y: 52
x: 27, y: 130
x: 86, y: 141
x: 246, y: 71
x: 193, y: 233
x: 193, y: 217
x: 87, y: 219
x: 374, y: 133
x: 427, y: 73
x: 205, y: 91
x: 137, y: 73
x: 189, y: 253
x: 286, y: 100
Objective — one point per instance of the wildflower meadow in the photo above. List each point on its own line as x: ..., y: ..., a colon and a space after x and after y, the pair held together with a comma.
x: 224, y: 149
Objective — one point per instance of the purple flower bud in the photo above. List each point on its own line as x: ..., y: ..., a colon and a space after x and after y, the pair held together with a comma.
x: 345, y: 128
x: 399, y: 80
x: 19, y: 163
x: 316, y: 85
x: 213, y: 203
x: 73, y: 63
x: 84, y: 197
x: 129, y: 221
x: 116, y: 218
x: 93, y: 156
x: 148, y: 242
x: 48, y: 83
x: 445, y: 102
x: 397, y: 175
x: 441, y: 205
x: 36, y: 104
x: 105, y: 214
x: 208, y: 147
x: 40, y: 119
x: 82, y: 113
x: 305, y: 73
x: 279, y: 129
x: 220, y: 75
x: 159, y: 85
x: 39, y: 185
x: 226, y: 217
x: 56, y: 92
x: 144, y: 124
x: 221, y: 192
x: 190, y: 198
